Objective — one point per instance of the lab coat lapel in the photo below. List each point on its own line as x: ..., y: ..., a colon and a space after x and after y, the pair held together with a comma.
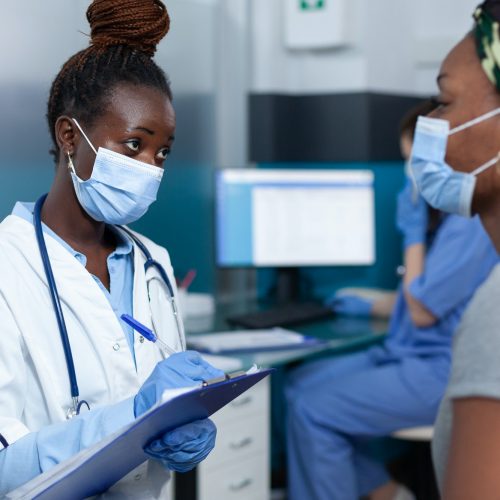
x: 106, y: 333
x: 93, y: 329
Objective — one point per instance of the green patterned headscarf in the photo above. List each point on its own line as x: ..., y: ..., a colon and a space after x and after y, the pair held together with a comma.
x: 487, y: 34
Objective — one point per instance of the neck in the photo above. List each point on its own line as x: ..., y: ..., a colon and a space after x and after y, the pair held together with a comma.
x: 490, y: 220
x: 64, y: 215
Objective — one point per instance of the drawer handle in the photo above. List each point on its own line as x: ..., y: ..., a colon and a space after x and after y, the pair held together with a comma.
x: 241, y: 444
x: 242, y: 402
x: 245, y: 483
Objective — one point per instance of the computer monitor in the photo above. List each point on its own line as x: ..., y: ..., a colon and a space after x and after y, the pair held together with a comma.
x: 294, y: 218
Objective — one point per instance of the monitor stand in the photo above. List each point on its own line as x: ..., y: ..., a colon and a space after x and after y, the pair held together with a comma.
x: 288, y: 311
x: 287, y: 285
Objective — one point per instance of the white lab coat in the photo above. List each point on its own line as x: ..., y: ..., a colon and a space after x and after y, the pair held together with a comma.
x: 34, y: 385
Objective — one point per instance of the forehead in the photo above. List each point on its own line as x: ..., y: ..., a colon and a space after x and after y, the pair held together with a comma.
x: 130, y: 105
x: 462, y: 58
x: 464, y: 81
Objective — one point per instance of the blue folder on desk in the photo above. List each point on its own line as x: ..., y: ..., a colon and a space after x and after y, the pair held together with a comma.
x: 124, y: 452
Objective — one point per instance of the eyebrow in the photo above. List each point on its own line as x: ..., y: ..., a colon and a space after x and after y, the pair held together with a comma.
x: 150, y: 132
x: 144, y: 129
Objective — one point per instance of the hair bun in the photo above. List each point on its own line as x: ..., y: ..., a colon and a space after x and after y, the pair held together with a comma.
x: 140, y: 24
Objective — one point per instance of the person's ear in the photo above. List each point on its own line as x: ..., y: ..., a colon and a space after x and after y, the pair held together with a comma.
x: 66, y: 134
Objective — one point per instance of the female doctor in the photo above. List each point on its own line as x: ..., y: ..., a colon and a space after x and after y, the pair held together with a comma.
x: 69, y: 270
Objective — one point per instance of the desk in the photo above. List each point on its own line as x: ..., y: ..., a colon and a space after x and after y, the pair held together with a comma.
x: 239, y: 467
x: 341, y: 333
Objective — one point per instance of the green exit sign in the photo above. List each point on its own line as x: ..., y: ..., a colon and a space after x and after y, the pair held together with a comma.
x: 312, y: 4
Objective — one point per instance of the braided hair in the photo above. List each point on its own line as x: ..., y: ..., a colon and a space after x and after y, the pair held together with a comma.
x: 124, y: 36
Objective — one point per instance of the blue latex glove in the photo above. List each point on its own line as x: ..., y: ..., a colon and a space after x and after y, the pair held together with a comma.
x: 183, y: 369
x: 350, y: 305
x: 412, y: 215
x: 185, y: 447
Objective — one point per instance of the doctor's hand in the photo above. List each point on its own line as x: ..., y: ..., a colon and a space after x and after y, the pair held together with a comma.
x: 350, y: 305
x: 183, y: 448
x: 183, y: 369
x: 412, y: 215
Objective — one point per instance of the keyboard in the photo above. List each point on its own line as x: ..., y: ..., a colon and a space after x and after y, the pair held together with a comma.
x: 286, y: 315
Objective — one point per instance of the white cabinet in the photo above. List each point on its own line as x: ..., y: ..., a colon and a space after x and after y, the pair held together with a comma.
x: 238, y: 467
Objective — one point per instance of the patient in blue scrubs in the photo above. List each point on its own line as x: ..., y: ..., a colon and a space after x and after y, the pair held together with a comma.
x: 336, y: 405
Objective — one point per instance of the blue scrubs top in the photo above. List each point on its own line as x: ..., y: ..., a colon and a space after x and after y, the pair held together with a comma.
x: 457, y: 262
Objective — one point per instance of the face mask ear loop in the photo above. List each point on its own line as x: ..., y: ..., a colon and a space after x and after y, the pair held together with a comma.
x: 414, y: 191
x: 475, y: 121
x: 486, y: 166
x: 85, y: 135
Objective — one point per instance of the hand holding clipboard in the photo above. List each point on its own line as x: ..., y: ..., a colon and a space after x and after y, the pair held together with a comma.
x: 95, y: 470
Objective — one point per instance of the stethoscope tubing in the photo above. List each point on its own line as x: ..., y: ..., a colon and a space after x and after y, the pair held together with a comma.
x: 150, y: 262
x: 4, y: 441
x: 61, y: 323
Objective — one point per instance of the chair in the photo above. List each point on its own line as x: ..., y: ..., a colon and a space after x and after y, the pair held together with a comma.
x: 422, y: 481
x: 415, y: 434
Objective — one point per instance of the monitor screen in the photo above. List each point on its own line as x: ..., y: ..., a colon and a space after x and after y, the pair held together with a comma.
x: 288, y: 218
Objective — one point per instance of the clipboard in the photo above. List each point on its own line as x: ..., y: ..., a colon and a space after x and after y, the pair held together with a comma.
x: 93, y: 474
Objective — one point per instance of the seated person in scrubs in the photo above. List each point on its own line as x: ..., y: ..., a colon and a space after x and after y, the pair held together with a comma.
x: 459, y: 172
x: 112, y: 123
x: 374, y: 302
x: 336, y: 405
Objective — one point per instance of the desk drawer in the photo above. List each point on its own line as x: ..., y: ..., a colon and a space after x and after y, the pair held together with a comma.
x: 245, y: 480
x: 253, y: 401
x: 239, y: 439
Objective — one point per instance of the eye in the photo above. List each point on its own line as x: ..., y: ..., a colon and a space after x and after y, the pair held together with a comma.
x: 438, y: 102
x: 163, y: 154
x: 133, y: 144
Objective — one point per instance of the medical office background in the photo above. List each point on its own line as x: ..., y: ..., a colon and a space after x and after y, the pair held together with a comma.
x: 251, y: 89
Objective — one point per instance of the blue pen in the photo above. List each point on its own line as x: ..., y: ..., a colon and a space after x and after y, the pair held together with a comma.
x: 146, y: 333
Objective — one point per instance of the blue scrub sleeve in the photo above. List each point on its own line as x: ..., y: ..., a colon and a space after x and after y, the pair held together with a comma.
x: 39, y: 451
x: 458, y: 261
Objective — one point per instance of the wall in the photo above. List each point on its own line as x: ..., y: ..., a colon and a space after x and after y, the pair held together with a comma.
x: 397, y: 47
x: 28, y: 29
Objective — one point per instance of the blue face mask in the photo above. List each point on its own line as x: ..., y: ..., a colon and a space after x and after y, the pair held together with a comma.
x: 120, y: 189
x: 442, y: 187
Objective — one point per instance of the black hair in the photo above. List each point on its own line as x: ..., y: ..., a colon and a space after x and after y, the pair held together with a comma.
x: 124, y: 36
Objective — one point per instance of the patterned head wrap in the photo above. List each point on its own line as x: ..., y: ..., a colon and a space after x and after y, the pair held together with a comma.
x: 487, y: 34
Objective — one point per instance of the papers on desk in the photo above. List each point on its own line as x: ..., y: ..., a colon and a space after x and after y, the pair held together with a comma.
x: 243, y: 341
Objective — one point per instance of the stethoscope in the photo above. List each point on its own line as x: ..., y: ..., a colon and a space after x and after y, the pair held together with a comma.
x: 61, y: 323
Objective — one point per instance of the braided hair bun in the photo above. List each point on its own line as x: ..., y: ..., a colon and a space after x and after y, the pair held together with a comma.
x: 124, y: 37
x: 139, y: 24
